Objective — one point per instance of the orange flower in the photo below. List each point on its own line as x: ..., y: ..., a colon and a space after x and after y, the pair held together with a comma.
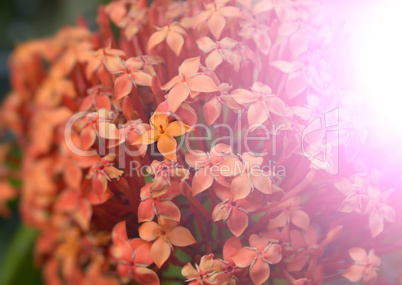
x: 215, y: 13
x: 296, y: 81
x: 188, y: 82
x: 163, y: 132
x: 232, y: 271
x: 129, y: 133
x: 97, y: 124
x: 209, y: 272
x: 305, y: 247
x: 132, y: 257
x: 205, y: 163
x: 160, y: 205
x: 258, y: 257
x: 291, y: 214
x: 173, y: 34
x: 129, y: 15
x: 379, y: 209
x: 98, y: 97
x: 167, y: 175
x: 235, y: 212
x: 72, y: 202
x: 261, y: 103
x: 253, y: 29
x: 364, y: 268
x: 219, y: 51
x: 102, y: 172
x: 70, y: 46
x: 164, y: 235
x: 112, y: 59
x: 247, y: 174
x: 129, y: 74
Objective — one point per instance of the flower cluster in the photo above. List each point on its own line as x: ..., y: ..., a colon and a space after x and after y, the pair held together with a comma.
x: 177, y: 135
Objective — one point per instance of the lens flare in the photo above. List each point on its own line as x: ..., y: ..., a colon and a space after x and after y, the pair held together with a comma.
x: 377, y: 54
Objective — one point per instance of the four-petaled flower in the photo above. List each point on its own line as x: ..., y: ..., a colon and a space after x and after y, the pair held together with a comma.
x: 164, y: 235
x: 188, y: 82
x: 160, y: 205
x: 163, y: 132
x: 209, y: 272
x: 173, y: 34
x: 258, y: 257
x: 364, y: 268
x: 219, y: 51
x: 206, y: 165
x: 129, y: 74
x: 261, y: 103
x: 215, y: 13
x: 247, y: 175
x: 132, y: 256
x: 235, y: 212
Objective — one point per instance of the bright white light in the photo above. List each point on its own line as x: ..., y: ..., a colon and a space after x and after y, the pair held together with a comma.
x: 376, y: 38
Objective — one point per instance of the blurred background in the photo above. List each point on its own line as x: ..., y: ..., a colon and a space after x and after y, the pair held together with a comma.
x: 22, y: 20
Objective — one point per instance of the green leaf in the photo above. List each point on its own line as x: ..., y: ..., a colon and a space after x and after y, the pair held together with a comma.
x: 17, y: 265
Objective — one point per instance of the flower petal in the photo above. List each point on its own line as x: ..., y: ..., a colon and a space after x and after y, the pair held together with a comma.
x: 220, y: 212
x: 119, y: 231
x: 122, y: 86
x: 240, y: 187
x: 298, y: 262
x: 141, y: 78
x: 189, y: 271
x: 237, y: 222
x: 202, y: 180
x: 196, y: 158
x: 205, y: 44
x: 175, y: 41
x: 145, y: 275
x: 180, y: 236
x: 244, y: 257
x: 256, y: 115
x: 261, y: 181
x: 260, y: 243
x: 146, y: 211
x: 149, y: 231
x: 216, y: 24
x: 146, y: 138
x: 212, y: 109
x: 169, y: 209
x: 142, y: 251
x: 114, y: 63
x: 159, y: 121
x: 88, y: 137
x: 359, y: 255
x: 231, y: 246
x: 156, y: 38
x: 202, y: 83
x: 295, y: 84
x: 298, y: 43
x: 273, y: 254
x: 259, y: 272
x: 190, y: 66
x: 354, y: 273
x: 300, y: 219
x: 160, y: 251
x: 177, y: 95
x: 167, y: 146
x: 213, y: 60
x: 177, y: 128
x: 108, y: 130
